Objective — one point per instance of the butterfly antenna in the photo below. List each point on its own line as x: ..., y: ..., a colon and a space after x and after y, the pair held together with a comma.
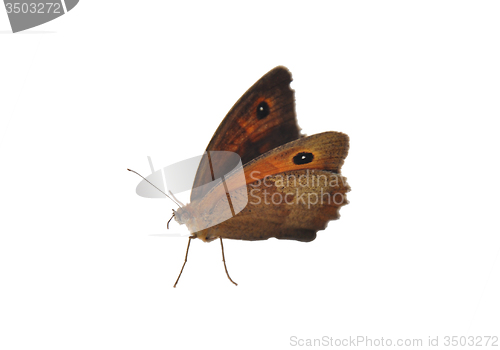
x: 174, y: 197
x: 155, y: 187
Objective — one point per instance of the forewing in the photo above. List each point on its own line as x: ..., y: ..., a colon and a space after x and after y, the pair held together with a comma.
x: 262, y: 119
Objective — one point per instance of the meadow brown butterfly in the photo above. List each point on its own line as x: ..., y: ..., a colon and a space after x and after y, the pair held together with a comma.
x: 293, y: 182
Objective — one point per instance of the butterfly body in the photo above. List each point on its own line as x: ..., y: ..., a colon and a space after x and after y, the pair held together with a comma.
x: 292, y: 185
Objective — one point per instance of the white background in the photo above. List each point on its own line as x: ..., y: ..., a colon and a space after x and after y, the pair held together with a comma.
x: 415, y: 254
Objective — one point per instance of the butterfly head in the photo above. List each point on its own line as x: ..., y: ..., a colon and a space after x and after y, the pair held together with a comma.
x: 180, y: 216
x: 184, y: 216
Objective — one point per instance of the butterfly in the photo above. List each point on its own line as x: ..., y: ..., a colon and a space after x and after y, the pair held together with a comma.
x: 293, y: 186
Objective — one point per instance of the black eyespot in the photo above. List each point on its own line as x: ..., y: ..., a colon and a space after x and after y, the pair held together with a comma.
x: 262, y: 110
x: 303, y: 158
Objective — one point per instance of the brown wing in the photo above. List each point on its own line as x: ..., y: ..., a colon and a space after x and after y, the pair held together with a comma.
x: 309, y: 169
x: 325, y: 151
x: 262, y: 119
x: 291, y: 205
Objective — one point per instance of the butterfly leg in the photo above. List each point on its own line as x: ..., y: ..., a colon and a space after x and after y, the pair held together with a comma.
x: 173, y: 214
x: 224, y: 260
x: 185, y: 260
